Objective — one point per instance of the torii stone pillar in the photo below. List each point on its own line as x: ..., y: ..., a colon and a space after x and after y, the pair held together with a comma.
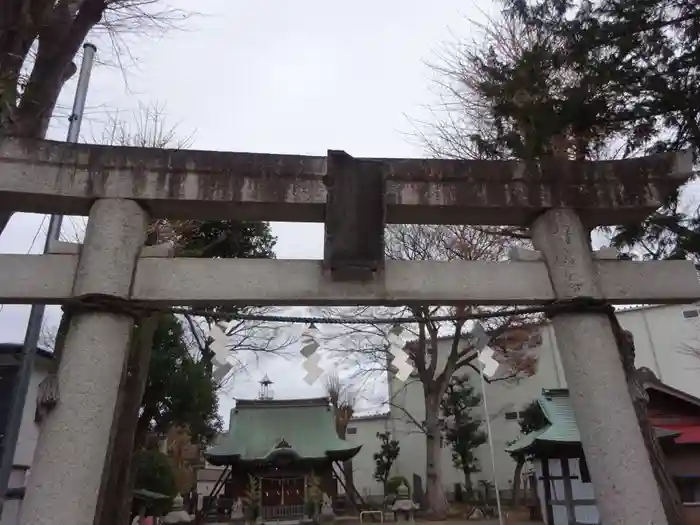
x: 74, y: 441
x: 624, y: 483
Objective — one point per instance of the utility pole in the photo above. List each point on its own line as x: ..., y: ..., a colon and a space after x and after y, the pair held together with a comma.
x: 36, y: 314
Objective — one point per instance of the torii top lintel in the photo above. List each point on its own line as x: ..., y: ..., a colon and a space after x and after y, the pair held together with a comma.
x: 56, y: 177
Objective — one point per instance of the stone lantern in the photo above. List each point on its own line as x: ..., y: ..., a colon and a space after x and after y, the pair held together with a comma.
x: 177, y: 515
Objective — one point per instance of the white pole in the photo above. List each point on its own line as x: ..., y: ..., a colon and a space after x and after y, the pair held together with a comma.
x: 493, y: 455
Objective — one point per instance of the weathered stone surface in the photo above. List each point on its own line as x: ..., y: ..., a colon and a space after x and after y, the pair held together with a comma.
x: 73, y: 248
x: 523, y: 254
x: 111, y: 249
x: 48, y: 279
x: 75, y: 436
x: 43, y: 279
x: 624, y: 484
x: 46, y: 176
x: 355, y: 218
x: 64, y: 248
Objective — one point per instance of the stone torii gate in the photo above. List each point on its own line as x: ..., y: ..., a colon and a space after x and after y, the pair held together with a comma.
x: 121, y: 189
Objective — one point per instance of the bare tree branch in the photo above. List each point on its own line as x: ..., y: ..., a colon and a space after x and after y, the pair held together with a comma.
x: 436, y: 350
x: 39, y: 40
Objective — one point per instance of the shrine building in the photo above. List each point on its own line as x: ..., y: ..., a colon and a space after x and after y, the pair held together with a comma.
x: 285, y: 446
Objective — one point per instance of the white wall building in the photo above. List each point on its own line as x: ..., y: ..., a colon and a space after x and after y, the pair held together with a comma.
x: 363, y: 430
x: 662, y: 334
x: 29, y: 431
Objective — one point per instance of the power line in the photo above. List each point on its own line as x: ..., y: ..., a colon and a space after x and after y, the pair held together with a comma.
x: 223, y: 314
x: 104, y: 303
x: 39, y: 230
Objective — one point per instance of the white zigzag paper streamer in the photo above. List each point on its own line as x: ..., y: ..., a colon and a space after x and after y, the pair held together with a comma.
x: 313, y: 371
x: 479, y: 339
x: 489, y: 364
x: 403, y: 368
x: 309, y: 345
x: 218, y: 346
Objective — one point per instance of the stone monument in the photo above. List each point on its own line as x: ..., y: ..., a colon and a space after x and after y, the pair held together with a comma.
x: 327, y: 513
x: 177, y: 515
x: 403, y: 506
x: 237, y: 510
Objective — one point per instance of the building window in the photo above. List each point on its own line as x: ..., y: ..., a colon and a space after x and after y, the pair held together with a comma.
x: 510, y: 416
x: 689, y: 489
x: 583, y: 469
x: 351, y: 430
x: 689, y: 314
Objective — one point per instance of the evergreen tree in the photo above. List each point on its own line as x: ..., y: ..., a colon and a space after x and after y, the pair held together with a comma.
x: 154, y: 472
x: 463, y: 432
x: 532, y: 418
x: 642, y: 60
x: 225, y: 239
x: 384, y: 459
x: 179, y: 390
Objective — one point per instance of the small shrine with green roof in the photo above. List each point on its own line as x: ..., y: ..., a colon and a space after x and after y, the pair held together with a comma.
x: 279, y: 456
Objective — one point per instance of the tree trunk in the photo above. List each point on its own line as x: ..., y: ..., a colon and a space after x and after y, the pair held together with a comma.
x: 119, y: 474
x: 434, y: 491
x: 36, y: 107
x: 516, y: 481
x: 17, y: 32
x: 468, y: 487
x: 60, y: 38
x: 349, y: 483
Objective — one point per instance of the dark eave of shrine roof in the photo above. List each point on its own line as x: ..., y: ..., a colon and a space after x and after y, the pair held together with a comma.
x: 282, y: 403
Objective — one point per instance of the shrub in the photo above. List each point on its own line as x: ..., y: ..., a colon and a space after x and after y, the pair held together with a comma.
x: 154, y: 472
x: 393, y: 484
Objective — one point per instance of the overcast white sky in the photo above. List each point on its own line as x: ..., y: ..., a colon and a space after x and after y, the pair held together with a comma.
x: 275, y: 76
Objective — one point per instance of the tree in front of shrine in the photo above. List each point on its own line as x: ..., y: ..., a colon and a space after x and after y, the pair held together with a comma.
x: 384, y: 459
x: 440, y: 348
x: 532, y: 418
x: 251, y: 499
x: 463, y: 430
x: 180, y: 390
x: 314, y: 496
x: 155, y: 472
x: 343, y: 400
x: 436, y: 342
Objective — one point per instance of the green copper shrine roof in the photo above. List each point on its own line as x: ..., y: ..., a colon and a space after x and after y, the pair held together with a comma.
x: 562, y: 429
x: 260, y: 430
